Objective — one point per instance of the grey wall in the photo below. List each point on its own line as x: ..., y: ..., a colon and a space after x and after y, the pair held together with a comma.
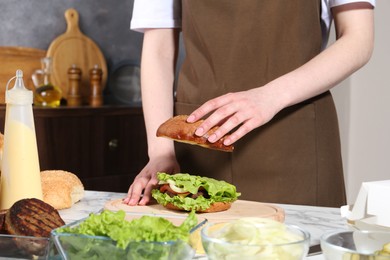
x: 35, y: 23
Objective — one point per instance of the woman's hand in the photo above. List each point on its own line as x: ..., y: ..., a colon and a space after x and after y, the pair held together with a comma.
x: 245, y: 110
x: 146, y: 180
x: 159, y: 51
x: 250, y: 109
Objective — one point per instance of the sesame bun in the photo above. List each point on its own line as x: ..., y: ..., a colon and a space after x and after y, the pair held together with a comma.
x: 61, y: 189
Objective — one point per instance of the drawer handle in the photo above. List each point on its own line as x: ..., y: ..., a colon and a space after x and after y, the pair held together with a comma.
x: 113, y: 144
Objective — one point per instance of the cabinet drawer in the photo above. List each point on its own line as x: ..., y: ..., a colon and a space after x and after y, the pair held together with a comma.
x: 105, y: 146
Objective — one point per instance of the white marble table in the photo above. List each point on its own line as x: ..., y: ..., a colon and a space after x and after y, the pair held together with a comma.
x: 316, y: 220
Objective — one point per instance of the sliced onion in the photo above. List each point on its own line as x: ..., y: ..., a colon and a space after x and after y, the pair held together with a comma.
x: 175, y: 188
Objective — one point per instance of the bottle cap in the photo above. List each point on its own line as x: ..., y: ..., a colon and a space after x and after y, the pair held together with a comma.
x: 19, y: 94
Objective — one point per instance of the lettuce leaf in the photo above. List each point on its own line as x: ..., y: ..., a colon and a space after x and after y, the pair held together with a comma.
x: 146, y: 228
x: 219, y: 191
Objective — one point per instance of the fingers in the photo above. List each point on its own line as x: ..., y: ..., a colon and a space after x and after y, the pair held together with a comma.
x: 139, y: 192
x: 223, y: 108
x: 208, y: 107
x: 147, y: 194
x: 239, y: 133
x: 134, y: 193
x: 239, y: 111
x: 231, y: 114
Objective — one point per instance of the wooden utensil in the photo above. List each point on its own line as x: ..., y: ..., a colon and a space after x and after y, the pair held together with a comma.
x: 239, y: 209
x: 13, y: 58
x: 73, y: 47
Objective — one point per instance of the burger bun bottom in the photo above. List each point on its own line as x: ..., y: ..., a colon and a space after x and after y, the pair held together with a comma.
x: 215, y: 207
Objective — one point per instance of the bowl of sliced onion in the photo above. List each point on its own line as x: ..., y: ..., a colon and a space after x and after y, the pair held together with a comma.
x: 254, y: 238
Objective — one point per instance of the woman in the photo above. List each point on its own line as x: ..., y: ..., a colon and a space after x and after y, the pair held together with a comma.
x: 259, y: 70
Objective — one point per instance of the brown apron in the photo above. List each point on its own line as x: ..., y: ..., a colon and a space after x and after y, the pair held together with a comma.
x: 235, y: 45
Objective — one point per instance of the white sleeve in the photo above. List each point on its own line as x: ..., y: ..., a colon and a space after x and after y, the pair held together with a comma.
x: 333, y: 3
x: 327, y: 18
x: 155, y: 14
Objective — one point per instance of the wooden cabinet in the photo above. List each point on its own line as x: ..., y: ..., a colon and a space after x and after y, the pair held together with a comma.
x: 105, y: 146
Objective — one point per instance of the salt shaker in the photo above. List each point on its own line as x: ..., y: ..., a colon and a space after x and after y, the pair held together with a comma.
x: 74, y: 79
x: 96, y: 96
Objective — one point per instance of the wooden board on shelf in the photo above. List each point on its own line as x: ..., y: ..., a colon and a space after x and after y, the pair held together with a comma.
x: 13, y: 58
x: 74, y: 47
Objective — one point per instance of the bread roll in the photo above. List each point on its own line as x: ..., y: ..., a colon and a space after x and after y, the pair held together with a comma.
x: 61, y: 189
x: 178, y: 129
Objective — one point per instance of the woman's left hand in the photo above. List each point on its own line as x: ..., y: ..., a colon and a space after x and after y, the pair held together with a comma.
x: 245, y: 110
x: 252, y: 108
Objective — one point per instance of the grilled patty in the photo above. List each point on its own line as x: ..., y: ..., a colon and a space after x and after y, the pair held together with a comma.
x: 32, y: 217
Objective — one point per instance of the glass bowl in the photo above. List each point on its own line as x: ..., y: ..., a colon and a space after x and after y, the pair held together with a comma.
x: 74, y: 246
x: 24, y: 247
x: 77, y: 246
x: 285, y: 242
x: 348, y: 245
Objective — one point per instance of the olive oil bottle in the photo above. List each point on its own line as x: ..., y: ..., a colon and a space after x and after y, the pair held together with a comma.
x: 45, y: 94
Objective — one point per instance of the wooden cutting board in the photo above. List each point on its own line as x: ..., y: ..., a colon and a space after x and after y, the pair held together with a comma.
x: 239, y: 209
x: 13, y: 58
x: 73, y: 47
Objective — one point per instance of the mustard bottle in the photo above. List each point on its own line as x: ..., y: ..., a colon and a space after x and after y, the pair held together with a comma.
x: 20, y: 172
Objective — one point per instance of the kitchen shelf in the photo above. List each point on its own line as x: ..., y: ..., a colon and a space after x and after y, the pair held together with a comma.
x: 104, y: 146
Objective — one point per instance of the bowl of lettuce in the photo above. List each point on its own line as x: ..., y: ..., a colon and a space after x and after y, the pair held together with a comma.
x: 109, y: 235
x: 254, y: 238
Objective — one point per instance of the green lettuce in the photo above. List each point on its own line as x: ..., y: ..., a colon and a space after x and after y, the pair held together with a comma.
x: 146, y: 228
x: 219, y: 191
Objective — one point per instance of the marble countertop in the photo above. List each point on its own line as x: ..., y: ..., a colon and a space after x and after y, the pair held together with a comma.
x: 316, y: 220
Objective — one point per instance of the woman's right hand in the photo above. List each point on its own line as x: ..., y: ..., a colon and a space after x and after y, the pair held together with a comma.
x: 146, y: 180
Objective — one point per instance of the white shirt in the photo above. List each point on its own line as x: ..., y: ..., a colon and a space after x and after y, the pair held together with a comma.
x: 167, y: 14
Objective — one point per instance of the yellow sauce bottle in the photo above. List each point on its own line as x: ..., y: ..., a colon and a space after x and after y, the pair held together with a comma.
x: 20, y: 172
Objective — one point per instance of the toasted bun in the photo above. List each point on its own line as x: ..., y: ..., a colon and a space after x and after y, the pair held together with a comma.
x: 178, y: 129
x: 61, y: 189
x: 215, y: 207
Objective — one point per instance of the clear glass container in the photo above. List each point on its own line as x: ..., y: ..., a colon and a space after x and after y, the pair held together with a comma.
x: 46, y: 94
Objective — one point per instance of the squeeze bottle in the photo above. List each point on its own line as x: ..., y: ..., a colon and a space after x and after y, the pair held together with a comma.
x: 20, y: 172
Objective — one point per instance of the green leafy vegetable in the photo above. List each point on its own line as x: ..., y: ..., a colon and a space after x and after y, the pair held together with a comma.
x: 146, y: 228
x: 148, y: 237
x: 219, y: 191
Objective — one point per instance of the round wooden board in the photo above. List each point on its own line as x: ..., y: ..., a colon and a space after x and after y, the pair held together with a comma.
x: 239, y: 209
x: 73, y: 47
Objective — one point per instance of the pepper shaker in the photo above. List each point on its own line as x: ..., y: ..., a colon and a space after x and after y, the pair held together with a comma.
x: 74, y: 77
x: 96, y: 97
